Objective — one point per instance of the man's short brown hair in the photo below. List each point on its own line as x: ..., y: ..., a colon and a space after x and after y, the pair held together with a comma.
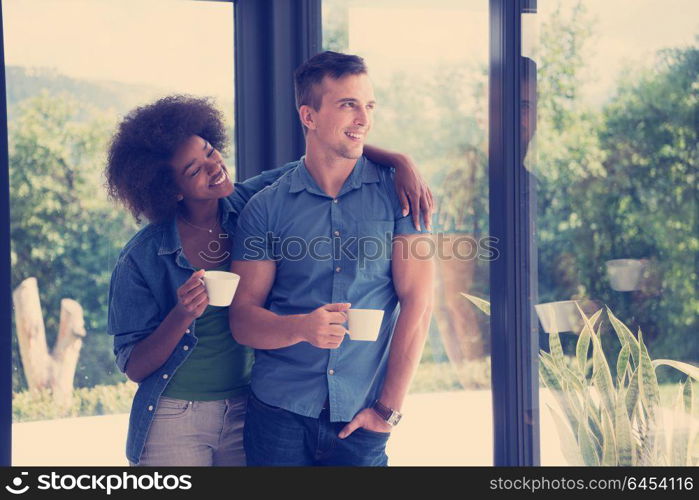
x: 308, y: 76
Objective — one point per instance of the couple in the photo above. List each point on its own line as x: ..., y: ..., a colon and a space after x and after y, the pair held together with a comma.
x: 313, y: 397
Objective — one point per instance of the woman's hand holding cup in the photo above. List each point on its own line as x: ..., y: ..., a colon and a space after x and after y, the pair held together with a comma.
x: 192, y: 298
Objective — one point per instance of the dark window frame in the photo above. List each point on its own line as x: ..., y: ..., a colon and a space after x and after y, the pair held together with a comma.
x: 271, y: 39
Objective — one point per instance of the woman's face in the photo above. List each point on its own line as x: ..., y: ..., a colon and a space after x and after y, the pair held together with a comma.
x: 199, y: 171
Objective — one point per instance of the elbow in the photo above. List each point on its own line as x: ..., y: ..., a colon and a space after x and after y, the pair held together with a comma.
x: 133, y: 376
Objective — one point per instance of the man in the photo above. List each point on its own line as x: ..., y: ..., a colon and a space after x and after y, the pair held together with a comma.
x: 328, y: 236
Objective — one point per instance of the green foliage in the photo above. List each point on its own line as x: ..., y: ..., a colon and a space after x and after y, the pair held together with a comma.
x: 602, y: 420
x: 620, y: 182
x: 335, y: 19
x: 63, y: 229
x: 99, y: 400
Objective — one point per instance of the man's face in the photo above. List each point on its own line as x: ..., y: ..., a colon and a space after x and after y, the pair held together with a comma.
x: 345, y: 116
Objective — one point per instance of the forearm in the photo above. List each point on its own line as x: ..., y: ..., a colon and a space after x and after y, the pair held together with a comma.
x: 406, y: 349
x: 259, y: 328
x: 152, y: 352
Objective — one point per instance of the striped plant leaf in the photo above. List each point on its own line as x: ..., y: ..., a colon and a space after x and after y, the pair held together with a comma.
x: 679, y: 448
x: 594, y: 423
x: 569, y: 445
x: 609, y: 453
x: 631, y: 398
x: 556, y: 349
x: 601, y: 375
x: 481, y: 304
x: 624, y: 334
x: 686, y: 368
x: 622, y: 364
x: 568, y: 400
x: 587, y: 447
x: 582, y: 348
x: 622, y: 429
x: 688, y: 397
x: 573, y: 379
x: 649, y: 392
x: 553, y: 382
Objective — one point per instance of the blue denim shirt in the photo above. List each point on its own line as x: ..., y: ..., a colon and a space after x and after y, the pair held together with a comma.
x: 326, y: 250
x: 143, y: 290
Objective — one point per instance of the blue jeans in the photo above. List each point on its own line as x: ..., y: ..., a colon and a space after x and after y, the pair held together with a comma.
x: 277, y: 437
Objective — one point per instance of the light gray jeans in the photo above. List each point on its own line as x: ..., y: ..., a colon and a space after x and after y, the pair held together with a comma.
x: 196, y: 433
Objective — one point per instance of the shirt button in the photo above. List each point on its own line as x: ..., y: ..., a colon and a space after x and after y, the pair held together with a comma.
x: 164, y: 375
x: 150, y: 408
x: 187, y: 331
x: 336, y: 201
x: 338, y: 269
x: 331, y: 372
x: 337, y: 233
x: 186, y: 348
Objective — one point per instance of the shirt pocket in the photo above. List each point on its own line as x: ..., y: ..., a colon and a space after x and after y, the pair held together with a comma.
x: 374, y: 247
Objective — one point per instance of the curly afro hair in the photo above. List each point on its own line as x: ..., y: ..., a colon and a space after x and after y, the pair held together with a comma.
x: 138, y: 171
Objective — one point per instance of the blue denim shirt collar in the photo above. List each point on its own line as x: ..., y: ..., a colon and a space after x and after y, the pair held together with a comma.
x: 363, y: 173
x: 171, y: 242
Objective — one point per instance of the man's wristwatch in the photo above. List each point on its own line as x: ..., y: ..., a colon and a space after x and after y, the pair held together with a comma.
x: 388, y: 414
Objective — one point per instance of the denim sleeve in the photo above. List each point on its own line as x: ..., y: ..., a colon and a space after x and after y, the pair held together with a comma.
x: 403, y: 225
x: 245, y: 190
x: 253, y: 236
x: 133, y: 312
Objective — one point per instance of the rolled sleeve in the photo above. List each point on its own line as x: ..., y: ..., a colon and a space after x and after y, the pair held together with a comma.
x: 133, y: 310
x: 253, y: 239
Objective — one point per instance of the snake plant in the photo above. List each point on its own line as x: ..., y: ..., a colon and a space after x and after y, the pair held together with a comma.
x: 616, y: 420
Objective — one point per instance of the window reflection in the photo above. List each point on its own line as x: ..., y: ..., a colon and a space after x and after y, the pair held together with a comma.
x: 615, y: 223
x: 69, y: 80
x: 429, y: 66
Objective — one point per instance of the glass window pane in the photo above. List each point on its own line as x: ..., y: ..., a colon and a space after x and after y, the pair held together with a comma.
x: 614, y: 169
x: 74, y: 68
x: 429, y: 65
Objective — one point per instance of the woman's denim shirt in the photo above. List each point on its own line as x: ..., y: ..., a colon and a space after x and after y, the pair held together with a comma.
x: 143, y: 291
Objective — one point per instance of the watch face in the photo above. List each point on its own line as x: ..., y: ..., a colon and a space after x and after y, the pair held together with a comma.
x: 394, y: 418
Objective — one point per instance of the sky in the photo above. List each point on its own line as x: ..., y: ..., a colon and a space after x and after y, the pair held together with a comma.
x: 407, y: 36
x: 184, y: 45
x: 178, y: 45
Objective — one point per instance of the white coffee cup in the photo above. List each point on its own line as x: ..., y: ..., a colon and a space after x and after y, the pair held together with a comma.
x: 364, y: 324
x: 221, y: 287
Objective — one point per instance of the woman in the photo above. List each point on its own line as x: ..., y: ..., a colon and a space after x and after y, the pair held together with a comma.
x: 165, y: 163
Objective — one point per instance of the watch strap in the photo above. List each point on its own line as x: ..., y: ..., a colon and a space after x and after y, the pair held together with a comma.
x: 388, y: 414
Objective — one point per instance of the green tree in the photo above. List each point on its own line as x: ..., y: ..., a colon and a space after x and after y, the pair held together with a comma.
x: 620, y: 183
x: 649, y: 196
x: 63, y: 229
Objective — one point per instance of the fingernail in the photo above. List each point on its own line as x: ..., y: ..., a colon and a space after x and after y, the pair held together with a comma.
x: 405, y: 212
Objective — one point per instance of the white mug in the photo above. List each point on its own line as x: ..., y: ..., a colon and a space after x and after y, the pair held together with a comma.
x: 221, y: 287
x: 364, y: 324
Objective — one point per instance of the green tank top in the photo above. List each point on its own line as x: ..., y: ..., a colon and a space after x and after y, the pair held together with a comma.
x: 218, y: 367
